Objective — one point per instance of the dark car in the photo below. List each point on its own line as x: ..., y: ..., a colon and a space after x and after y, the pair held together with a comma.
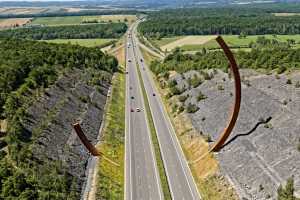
x: 154, y: 94
x: 132, y: 97
x: 131, y: 110
x: 141, y: 60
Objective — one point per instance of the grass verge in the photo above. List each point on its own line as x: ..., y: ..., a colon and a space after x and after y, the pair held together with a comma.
x: 111, y: 177
x: 159, y: 161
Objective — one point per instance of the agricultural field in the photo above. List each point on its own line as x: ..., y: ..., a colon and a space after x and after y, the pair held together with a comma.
x: 19, y: 11
x: 194, y: 43
x: 188, y: 40
x: 13, y: 22
x: 83, y: 42
x: 285, y: 14
x: 76, y: 20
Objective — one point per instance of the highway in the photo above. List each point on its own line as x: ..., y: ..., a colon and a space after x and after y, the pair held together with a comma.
x: 181, y: 183
x: 141, y: 174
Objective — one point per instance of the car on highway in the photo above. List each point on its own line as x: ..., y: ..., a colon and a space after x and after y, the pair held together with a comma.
x: 129, y: 60
x: 141, y: 60
x: 154, y: 94
x: 132, y: 97
x: 131, y: 110
x: 138, y: 109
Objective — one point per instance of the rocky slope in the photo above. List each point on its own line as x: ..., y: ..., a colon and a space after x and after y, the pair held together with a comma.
x: 262, y: 150
x: 50, y: 119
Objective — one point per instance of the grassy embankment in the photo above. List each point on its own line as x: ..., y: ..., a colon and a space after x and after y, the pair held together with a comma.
x: 159, y: 161
x: 77, y: 20
x: 205, y: 170
x: 232, y: 40
x: 110, y: 179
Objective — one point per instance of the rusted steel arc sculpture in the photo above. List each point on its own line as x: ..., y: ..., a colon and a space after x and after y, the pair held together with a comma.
x: 236, y: 108
x: 85, y: 141
x: 91, y: 148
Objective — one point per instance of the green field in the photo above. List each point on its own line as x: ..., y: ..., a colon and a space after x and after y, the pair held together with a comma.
x: 76, y: 20
x: 165, y: 41
x: 83, y: 42
x: 232, y: 40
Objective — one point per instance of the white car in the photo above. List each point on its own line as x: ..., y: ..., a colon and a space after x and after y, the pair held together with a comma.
x: 138, y: 110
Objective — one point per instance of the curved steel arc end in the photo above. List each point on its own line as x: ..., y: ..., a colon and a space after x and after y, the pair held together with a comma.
x: 91, y: 148
x: 237, y: 103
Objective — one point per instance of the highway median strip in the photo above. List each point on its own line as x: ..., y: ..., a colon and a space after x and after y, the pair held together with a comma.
x: 159, y: 161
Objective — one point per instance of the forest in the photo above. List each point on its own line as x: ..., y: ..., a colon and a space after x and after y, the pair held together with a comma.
x: 111, y: 30
x: 265, y: 54
x: 26, y: 69
x: 232, y: 20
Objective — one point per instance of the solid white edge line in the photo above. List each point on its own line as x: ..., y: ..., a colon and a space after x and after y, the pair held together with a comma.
x: 172, y: 134
x: 147, y: 123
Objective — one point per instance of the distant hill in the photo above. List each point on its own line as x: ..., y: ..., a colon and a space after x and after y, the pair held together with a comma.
x: 142, y: 4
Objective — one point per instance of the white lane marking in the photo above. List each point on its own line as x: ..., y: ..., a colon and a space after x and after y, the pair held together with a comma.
x: 147, y: 124
x: 172, y: 137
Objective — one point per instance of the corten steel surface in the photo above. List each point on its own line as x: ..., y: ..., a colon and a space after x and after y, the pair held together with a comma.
x: 85, y: 141
x: 236, y: 108
x: 91, y: 148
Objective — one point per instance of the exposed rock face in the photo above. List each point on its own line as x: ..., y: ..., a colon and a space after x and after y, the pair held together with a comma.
x: 51, y: 117
x: 259, y: 156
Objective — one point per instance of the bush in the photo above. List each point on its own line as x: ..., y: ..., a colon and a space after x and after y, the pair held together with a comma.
x: 220, y: 87
x: 195, y: 81
x: 201, y: 96
x: 180, y: 109
x: 183, y: 98
x: 191, y: 108
x: 175, y: 90
x: 281, y: 69
x: 172, y: 83
x: 287, y: 192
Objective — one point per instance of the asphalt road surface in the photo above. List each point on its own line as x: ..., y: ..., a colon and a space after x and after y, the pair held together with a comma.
x: 181, y: 183
x: 141, y: 174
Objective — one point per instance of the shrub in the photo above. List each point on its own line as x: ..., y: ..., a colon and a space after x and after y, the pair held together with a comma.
x: 180, y: 109
x: 175, y: 90
x: 84, y: 99
x: 220, y: 87
x: 281, y: 69
x: 172, y: 83
x: 287, y: 192
x: 207, y: 138
x: 183, y: 98
x: 201, y: 96
x: 191, y: 108
x: 195, y: 81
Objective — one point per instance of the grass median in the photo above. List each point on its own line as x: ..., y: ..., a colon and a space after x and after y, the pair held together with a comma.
x: 159, y: 161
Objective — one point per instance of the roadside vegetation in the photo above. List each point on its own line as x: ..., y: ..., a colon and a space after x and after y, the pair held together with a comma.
x: 110, y: 179
x: 112, y: 30
x: 27, y: 69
